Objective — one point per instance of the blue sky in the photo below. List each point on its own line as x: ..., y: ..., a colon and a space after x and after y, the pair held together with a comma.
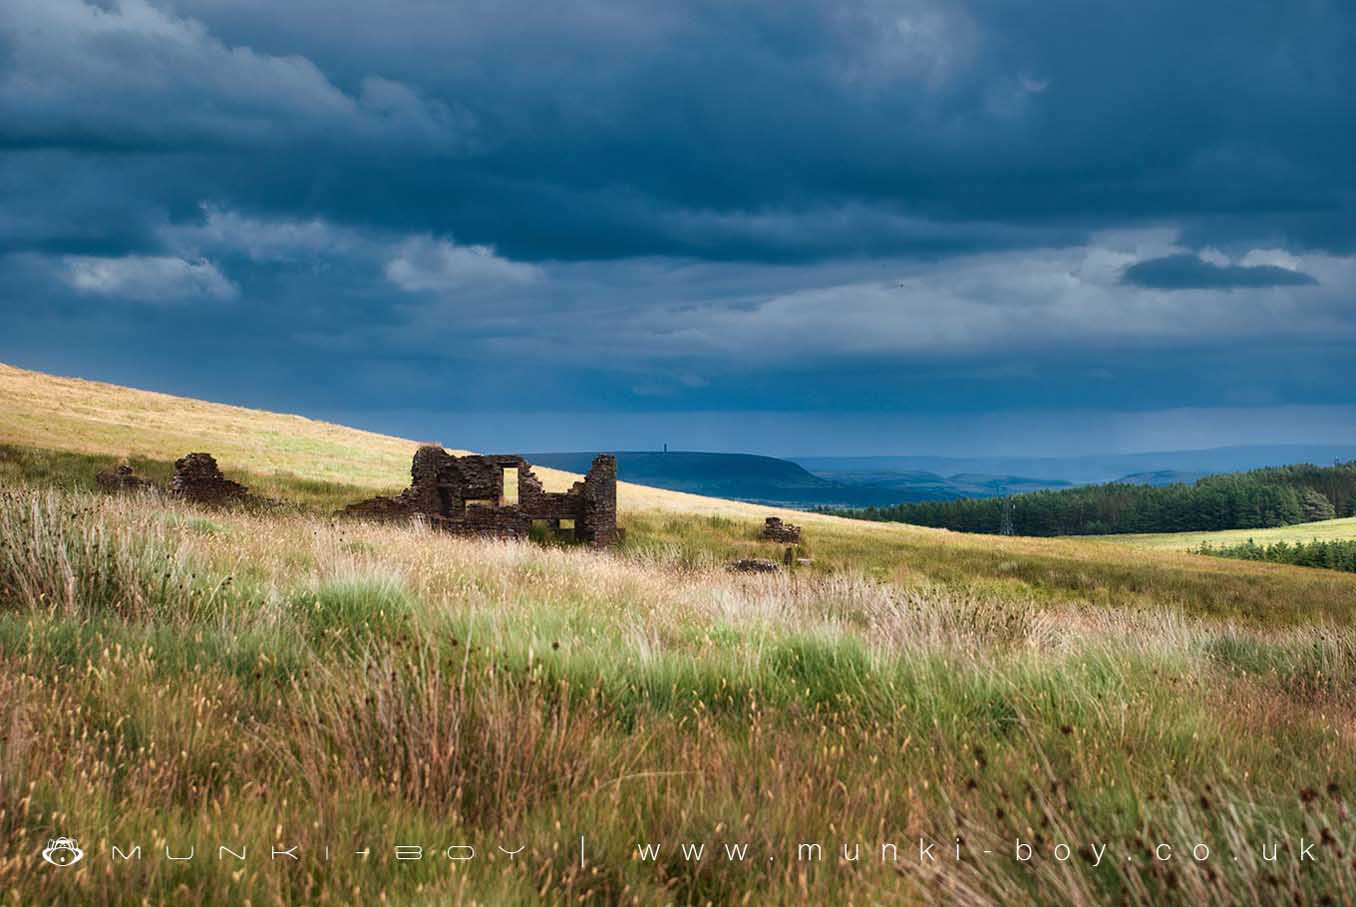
x: 785, y: 227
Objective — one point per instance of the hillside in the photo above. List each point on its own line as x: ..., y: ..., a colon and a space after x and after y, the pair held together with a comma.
x: 1092, y: 469
x: 90, y: 417
x: 740, y: 476
x: 770, y: 480
x: 64, y: 429
x: 293, y: 457
x: 1162, y: 477
x: 758, y: 479
x: 172, y: 675
x: 1323, y: 530
x: 889, y: 486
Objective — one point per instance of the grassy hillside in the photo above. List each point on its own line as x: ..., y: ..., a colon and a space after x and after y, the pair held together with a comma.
x: 278, y: 452
x: 173, y: 676
x: 1325, y: 530
x: 91, y: 417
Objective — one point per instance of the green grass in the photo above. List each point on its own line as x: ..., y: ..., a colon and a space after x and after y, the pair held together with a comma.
x: 1344, y: 528
x: 355, y: 681
x: 1096, y: 572
x: 1051, y: 571
x: 262, y: 677
x: 71, y: 470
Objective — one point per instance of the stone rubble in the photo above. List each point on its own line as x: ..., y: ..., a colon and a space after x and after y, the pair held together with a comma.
x: 123, y: 478
x: 197, y: 479
x: 774, y: 530
x: 755, y: 565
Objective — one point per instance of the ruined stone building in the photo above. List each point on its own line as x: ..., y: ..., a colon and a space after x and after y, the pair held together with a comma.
x: 498, y: 495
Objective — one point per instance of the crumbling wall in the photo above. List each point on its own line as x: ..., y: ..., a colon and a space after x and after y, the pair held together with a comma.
x: 197, y: 479
x: 597, y: 521
x: 465, y: 495
x: 456, y: 494
x: 774, y: 530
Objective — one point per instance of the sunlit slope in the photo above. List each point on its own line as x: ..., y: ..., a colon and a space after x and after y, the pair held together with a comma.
x: 1326, y: 530
x: 42, y: 410
x: 46, y: 411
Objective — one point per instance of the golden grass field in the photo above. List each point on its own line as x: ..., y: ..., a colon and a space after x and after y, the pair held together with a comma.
x: 45, y: 411
x: 71, y: 414
x: 172, y: 675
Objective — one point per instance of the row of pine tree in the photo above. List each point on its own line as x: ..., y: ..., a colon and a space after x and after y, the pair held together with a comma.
x: 1276, y: 496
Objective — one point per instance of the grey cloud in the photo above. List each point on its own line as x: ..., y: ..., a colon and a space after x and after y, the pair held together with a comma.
x: 726, y: 206
x: 144, y: 278
x: 418, y: 263
x: 1015, y: 303
x: 602, y: 130
x: 1189, y: 272
x: 424, y: 264
x: 132, y: 76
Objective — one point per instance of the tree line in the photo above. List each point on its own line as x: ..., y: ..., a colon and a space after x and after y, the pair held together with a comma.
x: 1275, y: 496
x: 1337, y: 554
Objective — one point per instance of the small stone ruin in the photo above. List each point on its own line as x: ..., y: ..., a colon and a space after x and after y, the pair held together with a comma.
x: 754, y: 565
x: 122, y: 478
x: 475, y: 495
x: 774, y: 530
x: 197, y: 479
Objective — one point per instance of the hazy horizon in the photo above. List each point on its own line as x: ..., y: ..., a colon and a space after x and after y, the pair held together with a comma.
x: 1013, y: 434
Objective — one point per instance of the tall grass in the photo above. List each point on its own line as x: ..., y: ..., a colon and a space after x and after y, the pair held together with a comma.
x: 169, y: 675
x: 88, y: 556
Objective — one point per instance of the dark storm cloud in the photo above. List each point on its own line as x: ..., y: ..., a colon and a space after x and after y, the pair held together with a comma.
x: 681, y: 206
x: 1190, y: 272
x: 592, y: 129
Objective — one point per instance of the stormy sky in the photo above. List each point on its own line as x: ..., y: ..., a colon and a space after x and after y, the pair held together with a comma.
x: 790, y: 227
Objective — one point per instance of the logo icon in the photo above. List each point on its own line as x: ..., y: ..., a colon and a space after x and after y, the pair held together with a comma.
x: 63, y: 852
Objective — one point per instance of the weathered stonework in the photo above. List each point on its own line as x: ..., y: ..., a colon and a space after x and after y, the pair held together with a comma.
x: 121, y: 479
x: 754, y: 565
x: 197, y: 479
x: 774, y: 530
x: 465, y: 495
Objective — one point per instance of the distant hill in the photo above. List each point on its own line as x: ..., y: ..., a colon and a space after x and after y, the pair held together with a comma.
x: 769, y: 480
x: 1086, y: 470
x: 922, y: 485
x: 744, y: 477
x: 1161, y: 477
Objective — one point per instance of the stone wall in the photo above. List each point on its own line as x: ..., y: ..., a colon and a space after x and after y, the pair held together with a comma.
x: 197, y: 479
x: 465, y: 495
x: 597, y: 520
x: 775, y: 530
x: 456, y: 494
